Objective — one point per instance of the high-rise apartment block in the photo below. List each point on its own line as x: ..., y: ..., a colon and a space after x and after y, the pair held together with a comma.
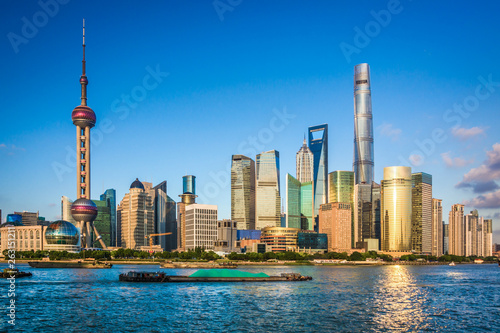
x: 243, y: 192
x: 456, y: 230
x: 437, y: 228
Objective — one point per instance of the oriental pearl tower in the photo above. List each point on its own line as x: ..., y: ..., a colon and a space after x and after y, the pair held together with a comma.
x: 84, y: 210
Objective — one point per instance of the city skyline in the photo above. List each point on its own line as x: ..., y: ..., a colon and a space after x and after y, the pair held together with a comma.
x: 464, y: 158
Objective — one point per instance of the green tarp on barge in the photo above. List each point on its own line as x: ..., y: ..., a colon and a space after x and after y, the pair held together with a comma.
x: 226, y: 273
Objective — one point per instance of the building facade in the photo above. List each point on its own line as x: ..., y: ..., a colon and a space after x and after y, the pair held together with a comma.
x: 226, y: 236
x: 201, y: 226
x: 456, y: 230
x: 363, y: 126
x: 187, y: 198
x: 243, y: 192
x: 437, y: 236
x: 396, y: 209
x: 341, y: 189
x: 421, y: 229
x: 28, y: 218
x: 102, y: 223
x: 280, y: 239
x: 268, y: 197
x: 137, y: 217
x: 335, y: 222
x: 318, y: 144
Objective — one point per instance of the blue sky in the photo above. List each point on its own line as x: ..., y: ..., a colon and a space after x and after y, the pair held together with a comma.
x: 178, y: 87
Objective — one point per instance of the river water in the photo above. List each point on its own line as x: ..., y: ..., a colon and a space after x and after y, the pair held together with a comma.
x: 461, y: 298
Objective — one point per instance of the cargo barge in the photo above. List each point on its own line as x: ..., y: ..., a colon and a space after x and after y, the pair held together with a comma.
x: 213, y: 275
x: 69, y: 264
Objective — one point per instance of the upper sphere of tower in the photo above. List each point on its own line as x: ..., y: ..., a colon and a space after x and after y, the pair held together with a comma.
x: 83, y: 116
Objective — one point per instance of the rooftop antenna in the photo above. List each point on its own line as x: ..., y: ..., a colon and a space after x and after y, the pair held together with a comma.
x: 83, y: 78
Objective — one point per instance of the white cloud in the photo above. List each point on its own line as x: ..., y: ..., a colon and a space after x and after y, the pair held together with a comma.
x: 488, y: 200
x: 466, y: 133
x: 454, y: 162
x: 389, y: 131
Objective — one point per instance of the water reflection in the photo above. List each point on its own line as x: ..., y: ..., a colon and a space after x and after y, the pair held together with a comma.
x: 399, y: 302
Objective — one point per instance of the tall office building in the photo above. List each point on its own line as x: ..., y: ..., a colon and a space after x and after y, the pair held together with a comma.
x: 28, y: 218
x: 305, y: 164
x: 437, y: 228
x: 137, y: 216
x: 318, y: 144
x: 487, y: 238
x: 66, y: 210
x: 84, y: 211
x: 201, y: 226
x: 341, y: 189
x: 161, y: 215
x: 421, y: 240
x: 363, y: 125
x: 293, y: 216
x: 456, y: 230
x: 306, y: 206
x: 102, y: 224
x: 188, y: 197
x: 335, y: 221
x: 446, y: 238
x: 268, y: 198
x: 171, y: 244
x: 243, y: 192
x: 109, y: 196
x: 396, y: 194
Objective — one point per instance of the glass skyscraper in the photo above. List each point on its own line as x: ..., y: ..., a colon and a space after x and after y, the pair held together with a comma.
x: 293, y: 207
x: 171, y: 224
x: 102, y: 223
x: 109, y: 196
x: 268, y: 199
x: 396, y: 214
x: 243, y: 192
x: 341, y: 189
x: 306, y: 206
x: 363, y: 125
x: 318, y: 144
x: 421, y: 229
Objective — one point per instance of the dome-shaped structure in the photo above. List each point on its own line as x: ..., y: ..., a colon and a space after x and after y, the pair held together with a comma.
x: 83, y: 116
x: 137, y: 184
x: 62, y: 233
x: 84, y: 210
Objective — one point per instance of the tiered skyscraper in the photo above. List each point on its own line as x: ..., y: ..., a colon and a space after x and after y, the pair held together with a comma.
x: 84, y: 211
x: 421, y: 240
x: 363, y: 126
x: 305, y: 164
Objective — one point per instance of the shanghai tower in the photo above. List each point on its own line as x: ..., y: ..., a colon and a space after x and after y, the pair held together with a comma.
x: 363, y: 126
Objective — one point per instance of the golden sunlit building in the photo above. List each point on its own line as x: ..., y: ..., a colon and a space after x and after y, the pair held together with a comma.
x: 335, y: 222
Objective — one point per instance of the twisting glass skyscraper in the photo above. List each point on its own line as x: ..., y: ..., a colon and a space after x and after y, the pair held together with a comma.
x: 363, y: 125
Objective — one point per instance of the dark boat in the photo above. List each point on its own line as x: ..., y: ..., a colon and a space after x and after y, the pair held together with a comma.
x: 13, y: 273
x: 210, y: 275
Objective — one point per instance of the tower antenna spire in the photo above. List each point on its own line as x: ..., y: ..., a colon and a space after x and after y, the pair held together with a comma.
x: 83, y: 78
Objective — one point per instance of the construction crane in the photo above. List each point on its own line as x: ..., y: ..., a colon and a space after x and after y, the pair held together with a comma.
x: 151, y: 239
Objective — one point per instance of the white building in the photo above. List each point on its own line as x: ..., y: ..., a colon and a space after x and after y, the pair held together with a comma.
x: 201, y: 226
